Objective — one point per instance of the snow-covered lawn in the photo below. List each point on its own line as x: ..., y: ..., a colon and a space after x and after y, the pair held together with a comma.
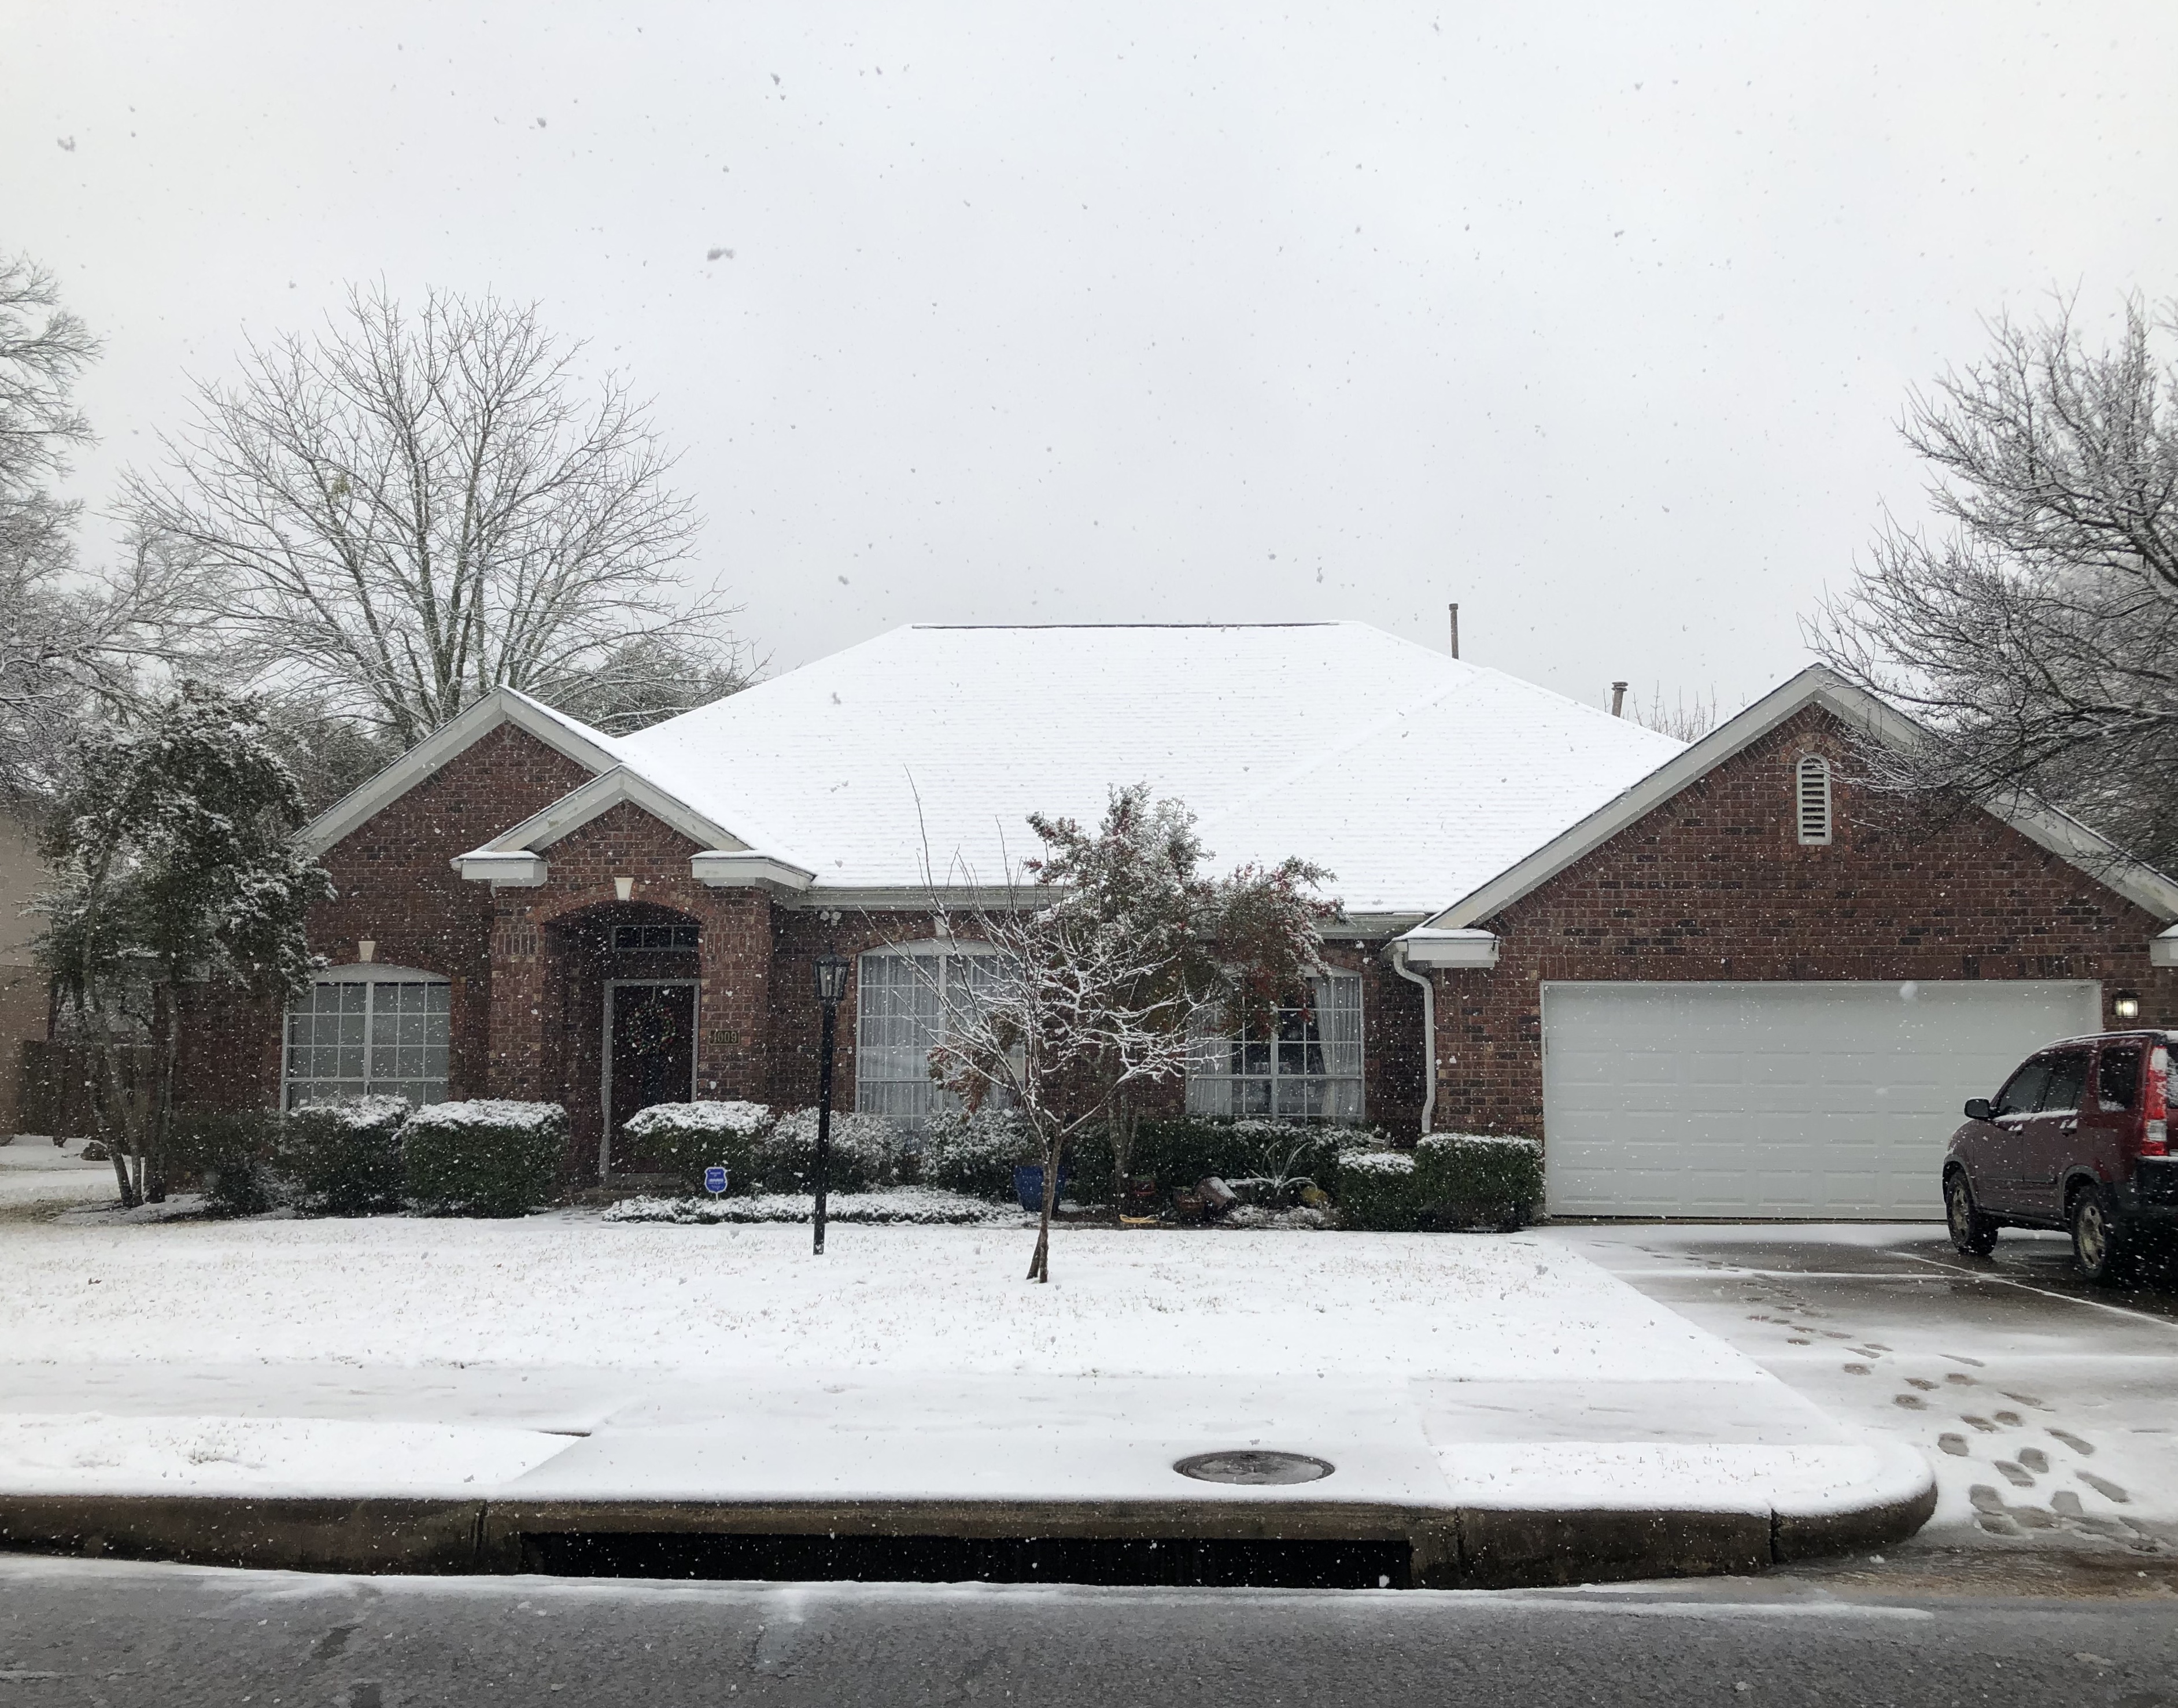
x: 38, y: 1177
x: 724, y: 1361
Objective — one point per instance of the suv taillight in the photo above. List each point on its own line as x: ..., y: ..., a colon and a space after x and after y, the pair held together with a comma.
x: 2155, y: 1133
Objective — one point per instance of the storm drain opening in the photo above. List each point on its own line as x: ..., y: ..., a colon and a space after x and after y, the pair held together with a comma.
x: 1161, y: 1562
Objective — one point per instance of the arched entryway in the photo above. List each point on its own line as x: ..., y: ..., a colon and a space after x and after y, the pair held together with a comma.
x: 625, y: 978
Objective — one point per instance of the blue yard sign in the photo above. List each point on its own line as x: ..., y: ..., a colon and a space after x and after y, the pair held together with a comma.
x: 715, y: 1180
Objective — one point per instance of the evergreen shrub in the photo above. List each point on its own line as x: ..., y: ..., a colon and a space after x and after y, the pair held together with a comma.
x: 1380, y: 1191
x: 1282, y: 1155
x: 865, y: 1153
x: 974, y: 1153
x: 683, y: 1139
x: 486, y: 1158
x: 229, y: 1156
x: 343, y: 1159
x: 1480, y: 1180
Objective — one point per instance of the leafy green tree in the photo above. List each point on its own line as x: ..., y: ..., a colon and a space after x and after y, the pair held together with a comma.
x: 176, y: 869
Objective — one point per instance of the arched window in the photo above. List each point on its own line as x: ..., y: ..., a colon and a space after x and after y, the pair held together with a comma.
x: 368, y: 1030
x: 1813, y: 798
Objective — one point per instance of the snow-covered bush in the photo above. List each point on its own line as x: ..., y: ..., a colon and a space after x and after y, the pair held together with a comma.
x: 486, y: 1158
x: 1469, y: 1180
x: 865, y: 1150
x: 1282, y: 1155
x: 973, y: 1154
x: 229, y: 1155
x: 1379, y: 1190
x: 686, y: 1139
x: 904, y: 1206
x: 343, y: 1158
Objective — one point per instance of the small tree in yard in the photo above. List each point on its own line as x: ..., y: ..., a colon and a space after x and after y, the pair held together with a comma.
x: 176, y: 865
x: 1107, y: 970
x: 1221, y: 949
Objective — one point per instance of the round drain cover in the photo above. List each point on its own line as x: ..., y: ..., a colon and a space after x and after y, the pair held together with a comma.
x: 1248, y: 1466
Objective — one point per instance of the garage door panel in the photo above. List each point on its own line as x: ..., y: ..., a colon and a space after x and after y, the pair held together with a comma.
x: 1787, y: 1100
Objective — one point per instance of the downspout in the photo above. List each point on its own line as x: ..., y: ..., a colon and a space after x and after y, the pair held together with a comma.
x: 1429, y: 1031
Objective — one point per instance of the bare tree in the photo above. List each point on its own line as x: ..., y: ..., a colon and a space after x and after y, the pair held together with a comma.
x: 1679, y: 720
x: 68, y: 642
x: 400, y: 515
x: 1069, y: 1017
x: 2036, y: 636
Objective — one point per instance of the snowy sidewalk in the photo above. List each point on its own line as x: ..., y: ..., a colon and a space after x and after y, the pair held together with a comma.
x: 561, y: 1359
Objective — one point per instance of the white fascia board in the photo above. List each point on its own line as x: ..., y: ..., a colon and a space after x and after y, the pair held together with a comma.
x: 588, y: 748
x: 1429, y: 947
x: 725, y: 869
x: 2163, y: 948
x: 503, y: 868
x: 598, y: 796
x: 2063, y: 836
x: 376, y: 972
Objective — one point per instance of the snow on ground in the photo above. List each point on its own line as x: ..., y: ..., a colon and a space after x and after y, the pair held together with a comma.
x: 38, y: 1177
x: 728, y: 1362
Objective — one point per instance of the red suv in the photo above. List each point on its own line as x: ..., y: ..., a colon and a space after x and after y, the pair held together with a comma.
x: 2079, y: 1139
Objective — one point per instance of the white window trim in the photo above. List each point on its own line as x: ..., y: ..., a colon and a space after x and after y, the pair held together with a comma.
x: 1813, y: 768
x: 1199, y: 1079
x: 939, y: 949
x: 367, y: 973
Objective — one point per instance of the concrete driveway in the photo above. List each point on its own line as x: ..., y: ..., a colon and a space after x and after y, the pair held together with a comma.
x: 2048, y: 1408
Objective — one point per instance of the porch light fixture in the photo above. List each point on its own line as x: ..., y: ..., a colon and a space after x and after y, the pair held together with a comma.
x: 2126, y: 1005
x: 831, y: 986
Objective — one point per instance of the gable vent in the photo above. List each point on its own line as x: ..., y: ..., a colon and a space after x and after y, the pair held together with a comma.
x: 1815, y: 801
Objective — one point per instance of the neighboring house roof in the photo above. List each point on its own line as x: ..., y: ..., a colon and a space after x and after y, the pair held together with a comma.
x: 564, y: 735
x: 1817, y: 685
x: 1411, y: 775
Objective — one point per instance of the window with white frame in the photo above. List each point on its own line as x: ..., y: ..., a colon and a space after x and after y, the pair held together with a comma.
x: 1812, y: 784
x: 901, y: 997
x: 368, y: 1032
x: 1301, y: 1063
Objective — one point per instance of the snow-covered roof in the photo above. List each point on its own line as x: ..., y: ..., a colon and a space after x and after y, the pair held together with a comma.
x: 1414, y: 776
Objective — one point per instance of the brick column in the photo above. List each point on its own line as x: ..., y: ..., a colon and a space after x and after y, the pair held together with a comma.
x: 516, y: 1066
x: 734, y: 1003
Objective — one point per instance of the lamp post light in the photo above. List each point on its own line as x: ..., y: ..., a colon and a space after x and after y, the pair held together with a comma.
x: 831, y: 986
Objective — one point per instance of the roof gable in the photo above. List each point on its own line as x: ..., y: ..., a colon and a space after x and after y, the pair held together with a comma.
x: 590, y: 748
x: 2057, y: 832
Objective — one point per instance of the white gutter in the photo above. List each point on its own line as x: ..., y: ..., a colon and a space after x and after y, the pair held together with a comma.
x: 1429, y: 1030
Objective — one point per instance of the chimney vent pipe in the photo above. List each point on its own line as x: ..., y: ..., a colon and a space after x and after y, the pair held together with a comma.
x: 1618, y: 700
x: 1454, y: 610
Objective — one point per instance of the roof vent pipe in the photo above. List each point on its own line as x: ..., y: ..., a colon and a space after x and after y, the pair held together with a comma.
x: 1618, y: 700
x: 1454, y: 610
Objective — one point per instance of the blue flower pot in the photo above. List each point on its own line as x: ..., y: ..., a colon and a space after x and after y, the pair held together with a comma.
x: 1028, y: 1186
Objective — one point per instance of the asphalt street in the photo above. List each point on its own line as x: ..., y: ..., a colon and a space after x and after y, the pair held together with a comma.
x: 75, y: 1632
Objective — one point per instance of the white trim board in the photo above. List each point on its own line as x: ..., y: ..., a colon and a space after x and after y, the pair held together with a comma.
x: 598, y: 797
x: 2063, y: 836
x: 587, y: 747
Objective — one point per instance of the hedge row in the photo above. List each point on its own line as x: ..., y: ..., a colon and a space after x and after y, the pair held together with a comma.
x: 486, y: 1158
x: 1450, y: 1180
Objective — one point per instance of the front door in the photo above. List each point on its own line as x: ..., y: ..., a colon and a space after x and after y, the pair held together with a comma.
x: 651, y: 1053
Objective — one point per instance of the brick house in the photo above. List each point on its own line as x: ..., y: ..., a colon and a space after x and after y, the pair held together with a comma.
x: 1713, y: 979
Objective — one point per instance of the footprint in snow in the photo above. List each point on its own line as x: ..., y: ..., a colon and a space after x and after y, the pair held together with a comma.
x: 1956, y: 1445
x: 1925, y: 1386
x: 2105, y: 1487
x: 1911, y: 1402
x: 2034, y: 1459
x: 2084, y: 1448
x: 1855, y: 1369
x: 2015, y: 1475
x: 1959, y: 1379
x: 1981, y: 1423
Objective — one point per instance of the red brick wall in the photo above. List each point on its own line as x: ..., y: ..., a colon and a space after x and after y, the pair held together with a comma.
x: 1714, y: 884
x: 398, y: 887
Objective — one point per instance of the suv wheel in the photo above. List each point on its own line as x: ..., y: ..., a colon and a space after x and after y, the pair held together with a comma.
x: 1972, y: 1233
x: 2100, y: 1240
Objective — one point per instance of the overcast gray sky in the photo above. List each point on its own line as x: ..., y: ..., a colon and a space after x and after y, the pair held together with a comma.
x: 1596, y: 319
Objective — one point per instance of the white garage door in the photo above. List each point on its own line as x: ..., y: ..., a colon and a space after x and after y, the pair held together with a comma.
x: 1774, y: 1100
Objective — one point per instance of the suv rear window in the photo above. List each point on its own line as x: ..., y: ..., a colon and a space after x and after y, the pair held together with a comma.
x: 2117, y: 1078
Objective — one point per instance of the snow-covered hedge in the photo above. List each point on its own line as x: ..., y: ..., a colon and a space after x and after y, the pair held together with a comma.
x: 974, y: 1153
x: 1469, y: 1179
x: 686, y: 1139
x: 865, y: 1152
x: 1180, y: 1150
x: 913, y: 1206
x: 488, y: 1157
x: 1379, y: 1190
x: 342, y: 1158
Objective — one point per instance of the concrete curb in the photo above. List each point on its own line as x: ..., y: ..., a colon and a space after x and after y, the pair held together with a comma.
x: 1447, y: 1548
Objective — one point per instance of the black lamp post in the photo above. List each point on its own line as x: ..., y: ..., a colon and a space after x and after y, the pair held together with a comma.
x: 831, y: 986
